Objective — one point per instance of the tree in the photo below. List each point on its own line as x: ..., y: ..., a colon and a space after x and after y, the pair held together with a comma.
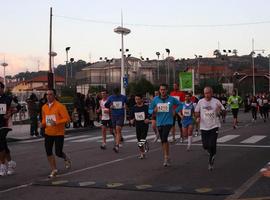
x: 142, y: 86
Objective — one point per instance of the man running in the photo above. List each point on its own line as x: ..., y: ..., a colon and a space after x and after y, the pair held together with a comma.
x: 54, y: 118
x: 207, y: 113
x: 234, y: 101
x: 117, y: 103
x: 7, y: 108
x: 105, y: 118
x: 163, y: 107
x: 153, y: 120
x: 180, y: 96
x: 140, y: 117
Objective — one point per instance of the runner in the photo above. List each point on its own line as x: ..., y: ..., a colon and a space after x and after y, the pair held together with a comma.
x: 180, y: 96
x: 186, y: 112
x: 54, y: 118
x: 117, y: 104
x: 207, y: 114
x: 139, y: 117
x: 234, y: 101
x: 163, y: 106
x: 7, y: 108
x: 195, y: 100
x: 265, y: 107
x: 105, y: 118
x: 254, y: 108
x: 223, y: 99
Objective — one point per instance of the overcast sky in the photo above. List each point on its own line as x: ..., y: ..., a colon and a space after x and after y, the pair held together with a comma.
x: 185, y: 27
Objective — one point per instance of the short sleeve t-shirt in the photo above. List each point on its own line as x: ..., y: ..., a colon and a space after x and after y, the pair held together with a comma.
x: 105, y: 112
x: 208, y: 113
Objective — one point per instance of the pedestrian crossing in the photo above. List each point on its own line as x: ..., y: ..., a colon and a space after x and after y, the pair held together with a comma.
x: 131, y: 138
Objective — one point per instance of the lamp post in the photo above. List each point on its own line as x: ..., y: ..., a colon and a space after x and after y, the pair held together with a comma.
x: 4, y: 64
x: 269, y: 74
x: 67, y: 49
x: 52, y: 55
x: 123, y: 31
x: 158, y: 54
x: 168, y: 70
x: 71, y: 68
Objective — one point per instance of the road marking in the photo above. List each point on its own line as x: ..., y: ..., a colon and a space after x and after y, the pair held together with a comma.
x: 253, y: 139
x: 257, y: 198
x: 226, y: 138
x: 231, y: 145
x: 244, y: 187
x: 87, y: 139
x: 148, y: 138
x: 76, y: 137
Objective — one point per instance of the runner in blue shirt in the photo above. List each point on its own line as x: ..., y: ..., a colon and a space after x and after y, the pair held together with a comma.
x: 163, y: 107
x: 117, y: 104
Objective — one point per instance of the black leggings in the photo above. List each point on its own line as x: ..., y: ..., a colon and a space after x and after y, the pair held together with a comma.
x: 3, y: 141
x: 265, y: 111
x: 254, y: 113
x: 141, y: 131
x: 209, y: 140
x: 59, y: 143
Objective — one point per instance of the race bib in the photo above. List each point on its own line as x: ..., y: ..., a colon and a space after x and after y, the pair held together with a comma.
x: 265, y: 101
x: 235, y: 101
x: 209, y: 116
x: 139, y: 116
x: 117, y: 105
x: 177, y: 97
x: 105, y: 114
x: 253, y: 104
x: 186, y: 112
x: 3, y: 109
x: 163, y: 107
x: 49, y: 119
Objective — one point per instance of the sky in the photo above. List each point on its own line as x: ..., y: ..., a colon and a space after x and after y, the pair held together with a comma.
x: 185, y: 27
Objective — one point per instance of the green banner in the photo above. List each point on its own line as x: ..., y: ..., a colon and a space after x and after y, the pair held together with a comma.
x: 185, y: 80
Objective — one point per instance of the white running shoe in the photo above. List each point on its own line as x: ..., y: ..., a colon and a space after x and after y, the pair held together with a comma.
x: 53, y: 173
x: 3, y: 170
x: 11, y: 167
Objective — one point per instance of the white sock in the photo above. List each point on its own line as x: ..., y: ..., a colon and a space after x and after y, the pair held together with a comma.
x: 189, y: 140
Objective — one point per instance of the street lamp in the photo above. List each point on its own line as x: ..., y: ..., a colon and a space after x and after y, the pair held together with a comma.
x: 158, y: 54
x: 168, y: 70
x: 4, y: 64
x: 123, y: 31
x: 67, y: 49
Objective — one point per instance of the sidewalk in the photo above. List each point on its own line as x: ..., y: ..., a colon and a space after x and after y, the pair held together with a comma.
x: 22, y: 132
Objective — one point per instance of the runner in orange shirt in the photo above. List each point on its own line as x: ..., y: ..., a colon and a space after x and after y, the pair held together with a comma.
x: 54, y: 118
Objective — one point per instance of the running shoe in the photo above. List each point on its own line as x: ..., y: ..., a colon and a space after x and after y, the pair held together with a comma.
x: 116, y: 149
x: 142, y: 156
x: 188, y: 147
x: 3, y: 170
x: 181, y: 140
x: 211, y: 163
x: 103, y: 146
x: 53, y: 173
x: 11, y: 167
x: 67, y: 163
x: 196, y: 133
x: 173, y: 140
x: 166, y: 162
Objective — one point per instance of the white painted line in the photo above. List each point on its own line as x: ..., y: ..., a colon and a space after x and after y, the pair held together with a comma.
x: 231, y: 145
x: 125, y: 137
x: 77, y: 137
x: 135, y: 140
x: 87, y: 139
x: 253, y: 139
x: 227, y: 138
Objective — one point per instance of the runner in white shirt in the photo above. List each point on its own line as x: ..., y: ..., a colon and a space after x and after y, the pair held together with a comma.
x: 207, y: 114
x: 105, y: 118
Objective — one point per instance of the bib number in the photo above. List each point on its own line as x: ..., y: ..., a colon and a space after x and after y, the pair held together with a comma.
x: 49, y: 119
x: 163, y: 107
x: 3, y: 109
x: 139, y: 116
x: 186, y: 112
x: 117, y: 105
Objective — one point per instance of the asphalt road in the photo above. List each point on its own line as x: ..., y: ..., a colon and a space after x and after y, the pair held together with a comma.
x: 103, y: 174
